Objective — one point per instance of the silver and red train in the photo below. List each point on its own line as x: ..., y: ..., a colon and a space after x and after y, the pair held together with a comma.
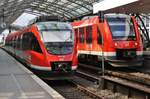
x: 47, y: 45
x: 115, y: 37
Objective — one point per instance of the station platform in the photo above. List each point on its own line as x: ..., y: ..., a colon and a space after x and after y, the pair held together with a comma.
x: 17, y: 82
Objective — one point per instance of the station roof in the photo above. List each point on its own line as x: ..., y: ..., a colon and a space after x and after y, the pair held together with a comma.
x: 68, y: 9
x: 139, y: 6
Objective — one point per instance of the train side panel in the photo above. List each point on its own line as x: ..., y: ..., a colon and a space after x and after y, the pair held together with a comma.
x: 117, y: 51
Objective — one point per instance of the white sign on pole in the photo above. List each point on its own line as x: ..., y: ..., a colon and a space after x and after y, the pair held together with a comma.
x: 109, y: 4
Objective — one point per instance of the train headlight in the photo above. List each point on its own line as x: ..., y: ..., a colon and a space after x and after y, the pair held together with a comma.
x: 136, y: 44
x: 116, y: 44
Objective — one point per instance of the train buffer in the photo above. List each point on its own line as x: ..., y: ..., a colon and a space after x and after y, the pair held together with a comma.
x: 17, y: 82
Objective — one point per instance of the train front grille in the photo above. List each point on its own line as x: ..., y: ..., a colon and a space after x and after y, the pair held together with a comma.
x: 61, y: 66
x: 126, y: 54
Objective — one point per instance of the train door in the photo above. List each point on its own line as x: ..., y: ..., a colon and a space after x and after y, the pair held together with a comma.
x: 89, y: 38
x: 76, y: 35
x: 99, y: 45
x: 81, y: 38
x: 37, y: 56
x: 88, y: 47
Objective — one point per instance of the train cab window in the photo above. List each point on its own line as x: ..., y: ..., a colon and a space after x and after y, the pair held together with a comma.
x: 29, y: 42
x: 99, y: 36
x: 35, y: 46
x: 76, y: 33
x: 81, y: 35
x: 89, y: 34
x: 121, y: 27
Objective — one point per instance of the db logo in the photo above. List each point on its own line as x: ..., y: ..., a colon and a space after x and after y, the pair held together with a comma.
x: 61, y: 58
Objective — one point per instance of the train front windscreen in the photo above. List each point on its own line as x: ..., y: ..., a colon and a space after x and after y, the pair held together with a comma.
x: 121, y: 27
x: 57, y: 37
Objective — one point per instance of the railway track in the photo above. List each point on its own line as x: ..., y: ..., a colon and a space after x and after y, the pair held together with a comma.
x: 72, y: 90
x: 82, y: 89
x: 132, y: 84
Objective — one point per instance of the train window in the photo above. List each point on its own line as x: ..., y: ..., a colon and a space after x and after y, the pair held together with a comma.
x: 15, y: 42
x: 35, y: 46
x: 26, y: 41
x: 99, y: 36
x: 81, y: 35
x: 76, y: 32
x: 10, y: 42
x: 5, y: 43
x: 121, y: 27
x: 18, y: 42
x: 29, y: 42
x: 89, y: 34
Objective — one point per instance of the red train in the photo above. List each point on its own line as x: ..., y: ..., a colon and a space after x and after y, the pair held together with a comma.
x: 114, y: 36
x: 47, y: 46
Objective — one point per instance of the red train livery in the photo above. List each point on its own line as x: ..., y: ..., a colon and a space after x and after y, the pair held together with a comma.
x: 117, y: 38
x: 46, y: 46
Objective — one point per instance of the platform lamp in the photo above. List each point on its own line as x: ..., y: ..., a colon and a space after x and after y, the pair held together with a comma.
x: 101, y: 81
x: 101, y: 19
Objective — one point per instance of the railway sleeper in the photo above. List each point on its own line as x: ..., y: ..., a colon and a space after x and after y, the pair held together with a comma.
x: 131, y: 89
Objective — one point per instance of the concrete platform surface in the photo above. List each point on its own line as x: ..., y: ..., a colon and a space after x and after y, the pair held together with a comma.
x: 17, y: 82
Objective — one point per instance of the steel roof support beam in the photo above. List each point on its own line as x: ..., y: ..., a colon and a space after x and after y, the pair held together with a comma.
x: 50, y: 11
x: 60, y: 7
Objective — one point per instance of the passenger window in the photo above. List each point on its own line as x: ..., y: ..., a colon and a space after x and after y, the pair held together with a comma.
x: 81, y: 35
x: 25, y: 42
x: 89, y: 34
x: 15, y: 42
x: 18, y: 42
x: 14, y: 45
x: 99, y: 36
x: 10, y: 42
x: 21, y: 41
